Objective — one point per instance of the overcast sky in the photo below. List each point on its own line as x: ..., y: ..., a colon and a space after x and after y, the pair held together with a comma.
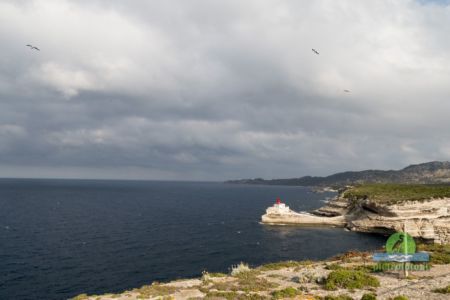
x: 212, y: 90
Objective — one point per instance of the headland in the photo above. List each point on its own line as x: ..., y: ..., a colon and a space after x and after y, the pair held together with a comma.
x: 423, y: 210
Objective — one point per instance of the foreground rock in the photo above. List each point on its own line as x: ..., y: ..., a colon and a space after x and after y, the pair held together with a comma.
x: 295, y: 280
x: 379, y: 209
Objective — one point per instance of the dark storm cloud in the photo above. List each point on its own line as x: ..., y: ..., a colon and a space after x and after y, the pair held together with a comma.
x: 221, y: 89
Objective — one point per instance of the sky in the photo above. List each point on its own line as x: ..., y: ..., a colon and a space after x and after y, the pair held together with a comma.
x: 215, y: 90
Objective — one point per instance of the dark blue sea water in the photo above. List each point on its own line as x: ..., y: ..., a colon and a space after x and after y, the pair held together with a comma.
x: 60, y: 238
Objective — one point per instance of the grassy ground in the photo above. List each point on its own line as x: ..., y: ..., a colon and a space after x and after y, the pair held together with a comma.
x: 397, y: 193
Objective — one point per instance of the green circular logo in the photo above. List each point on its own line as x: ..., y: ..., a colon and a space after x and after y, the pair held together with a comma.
x: 401, y: 242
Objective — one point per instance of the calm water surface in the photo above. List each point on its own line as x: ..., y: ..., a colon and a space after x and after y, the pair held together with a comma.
x: 60, y: 238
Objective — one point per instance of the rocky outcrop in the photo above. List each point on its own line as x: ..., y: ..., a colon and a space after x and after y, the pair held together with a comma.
x: 280, y: 214
x: 336, y: 207
x: 303, y: 218
x: 428, y: 219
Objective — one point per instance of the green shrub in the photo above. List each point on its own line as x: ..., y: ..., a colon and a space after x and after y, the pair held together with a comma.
x: 250, y: 282
x: 288, y: 292
x: 401, y: 297
x: 444, y: 290
x: 333, y: 267
x: 439, y: 254
x: 338, y: 297
x: 350, y: 279
x: 369, y: 297
x: 221, y: 294
x: 247, y: 281
x: 153, y: 290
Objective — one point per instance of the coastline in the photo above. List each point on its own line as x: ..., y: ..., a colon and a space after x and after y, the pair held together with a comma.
x: 317, y: 279
x: 425, y: 218
x: 296, y: 280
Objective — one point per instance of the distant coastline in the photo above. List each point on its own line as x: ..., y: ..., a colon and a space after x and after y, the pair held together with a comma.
x: 425, y: 173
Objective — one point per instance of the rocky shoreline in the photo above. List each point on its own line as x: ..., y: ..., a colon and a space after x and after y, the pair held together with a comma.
x: 427, y: 219
x: 313, y: 280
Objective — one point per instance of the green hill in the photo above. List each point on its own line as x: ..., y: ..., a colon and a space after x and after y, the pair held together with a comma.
x: 427, y: 173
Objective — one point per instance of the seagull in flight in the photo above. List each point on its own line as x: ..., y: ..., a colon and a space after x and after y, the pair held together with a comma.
x: 33, y: 47
x: 315, y: 51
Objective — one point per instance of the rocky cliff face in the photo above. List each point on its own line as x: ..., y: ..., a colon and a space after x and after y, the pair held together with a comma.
x: 429, y: 219
x: 426, y: 219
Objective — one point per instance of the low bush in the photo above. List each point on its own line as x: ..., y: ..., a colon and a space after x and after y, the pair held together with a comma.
x: 288, y: 292
x: 439, y: 254
x: 250, y: 282
x: 401, y: 297
x: 154, y: 290
x: 444, y: 290
x: 333, y: 267
x: 338, y: 297
x: 350, y: 279
x: 369, y: 297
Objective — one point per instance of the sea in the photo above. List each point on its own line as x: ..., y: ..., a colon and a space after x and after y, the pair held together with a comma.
x: 61, y: 238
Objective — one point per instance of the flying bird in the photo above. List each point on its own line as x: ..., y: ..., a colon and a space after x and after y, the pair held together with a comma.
x: 33, y: 47
x: 347, y: 91
x: 315, y: 51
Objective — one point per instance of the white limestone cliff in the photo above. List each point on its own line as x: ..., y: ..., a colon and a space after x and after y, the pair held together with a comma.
x: 428, y: 219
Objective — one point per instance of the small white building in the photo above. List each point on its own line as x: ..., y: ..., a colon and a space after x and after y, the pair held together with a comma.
x: 278, y: 208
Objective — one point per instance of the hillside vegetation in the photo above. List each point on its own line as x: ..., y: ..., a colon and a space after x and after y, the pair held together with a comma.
x: 435, y: 172
x: 397, y: 193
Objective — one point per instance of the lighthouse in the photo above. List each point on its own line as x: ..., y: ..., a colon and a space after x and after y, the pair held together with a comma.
x: 278, y: 208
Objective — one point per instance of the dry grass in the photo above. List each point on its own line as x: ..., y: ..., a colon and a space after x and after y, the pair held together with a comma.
x: 148, y: 291
x: 284, y: 264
